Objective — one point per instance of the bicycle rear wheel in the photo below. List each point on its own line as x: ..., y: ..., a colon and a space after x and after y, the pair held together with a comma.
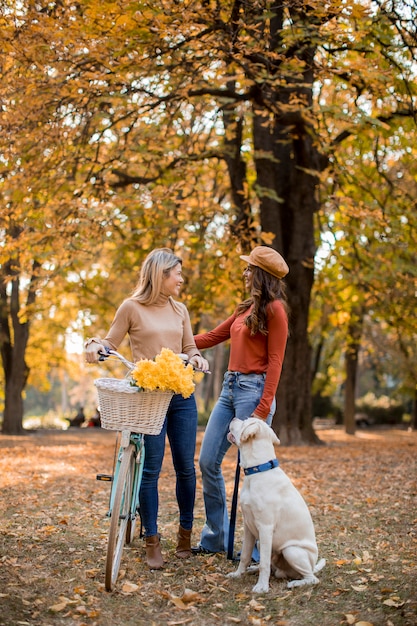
x: 120, y: 515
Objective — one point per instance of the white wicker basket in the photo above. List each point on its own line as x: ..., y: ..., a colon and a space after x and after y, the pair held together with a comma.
x: 125, y: 407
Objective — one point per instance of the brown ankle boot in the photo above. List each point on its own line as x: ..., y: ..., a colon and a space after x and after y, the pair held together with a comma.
x: 154, y: 558
x: 183, y: 550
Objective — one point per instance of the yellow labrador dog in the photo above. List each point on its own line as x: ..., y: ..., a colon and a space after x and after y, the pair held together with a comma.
x: 273, y: 512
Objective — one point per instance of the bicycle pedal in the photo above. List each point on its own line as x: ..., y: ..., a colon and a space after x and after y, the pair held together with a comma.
x: 106, y: 477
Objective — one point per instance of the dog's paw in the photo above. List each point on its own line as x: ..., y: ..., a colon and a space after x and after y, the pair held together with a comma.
x: 235, y: 574
x: 311, y: 580
x: 260, y: 588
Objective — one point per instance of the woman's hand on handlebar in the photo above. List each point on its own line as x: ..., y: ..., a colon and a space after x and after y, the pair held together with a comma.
x: 199, y: 363
x: 93, y: 350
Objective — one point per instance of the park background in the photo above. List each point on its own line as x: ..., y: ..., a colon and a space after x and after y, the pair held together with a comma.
x: 210, y: 127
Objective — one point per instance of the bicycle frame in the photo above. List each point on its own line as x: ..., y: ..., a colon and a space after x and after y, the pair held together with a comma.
x: 137, y: 440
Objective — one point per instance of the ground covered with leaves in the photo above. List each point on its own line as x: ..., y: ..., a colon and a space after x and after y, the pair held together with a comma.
x: 361, y: 491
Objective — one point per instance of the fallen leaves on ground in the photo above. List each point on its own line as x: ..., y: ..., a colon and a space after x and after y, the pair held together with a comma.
x: 361, y: 492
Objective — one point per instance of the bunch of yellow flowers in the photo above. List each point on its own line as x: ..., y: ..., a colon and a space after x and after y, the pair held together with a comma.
x: 166, y: 373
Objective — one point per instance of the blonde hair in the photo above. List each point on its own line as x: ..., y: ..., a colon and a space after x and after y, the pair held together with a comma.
x: 156, y: 266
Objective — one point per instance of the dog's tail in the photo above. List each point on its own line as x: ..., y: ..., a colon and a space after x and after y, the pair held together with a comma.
x: 319, y: 566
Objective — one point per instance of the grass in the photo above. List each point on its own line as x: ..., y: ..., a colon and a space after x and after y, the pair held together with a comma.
x: 361, y: 492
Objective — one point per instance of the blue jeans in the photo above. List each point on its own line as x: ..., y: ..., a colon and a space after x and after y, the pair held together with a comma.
x: 239, y: 397
x: 181, y: 427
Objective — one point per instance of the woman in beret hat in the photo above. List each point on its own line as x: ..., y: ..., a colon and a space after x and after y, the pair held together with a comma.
x: 258, y: 332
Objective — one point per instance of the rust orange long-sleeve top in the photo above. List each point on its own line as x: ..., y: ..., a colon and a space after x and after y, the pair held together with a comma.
x: 253, y: 353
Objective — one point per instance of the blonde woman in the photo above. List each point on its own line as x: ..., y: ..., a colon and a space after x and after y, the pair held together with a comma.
x: 153, y: 319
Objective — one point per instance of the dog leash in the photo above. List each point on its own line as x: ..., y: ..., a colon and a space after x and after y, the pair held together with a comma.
x: 233, y: 509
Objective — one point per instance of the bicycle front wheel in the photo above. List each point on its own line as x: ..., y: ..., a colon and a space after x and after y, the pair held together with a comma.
x: 134, y: 513
x: 120, y: 514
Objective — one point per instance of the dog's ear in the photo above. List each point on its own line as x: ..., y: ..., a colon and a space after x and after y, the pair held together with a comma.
x: 274, y: 437
x: 272, y: 434
x: 250, y: 428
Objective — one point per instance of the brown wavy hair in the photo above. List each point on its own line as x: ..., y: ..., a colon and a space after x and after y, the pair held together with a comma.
x: 265, y: 288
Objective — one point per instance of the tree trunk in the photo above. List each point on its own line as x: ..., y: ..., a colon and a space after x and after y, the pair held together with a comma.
x: 13, y: 409
x: 288, y: 214
x: 351, y: 366
x: 214, y: 382
x: 13, y: 345
x: 236, y: 165
x: 293, y: 418
x: 287, y: 164
x: 16, y: 374
x: 413, y: 424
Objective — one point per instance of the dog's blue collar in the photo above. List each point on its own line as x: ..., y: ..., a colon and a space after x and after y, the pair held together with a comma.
x: 264, y: 467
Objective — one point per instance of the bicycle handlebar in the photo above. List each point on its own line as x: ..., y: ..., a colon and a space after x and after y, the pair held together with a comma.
x: 131, y: 365
x: 109, y: 352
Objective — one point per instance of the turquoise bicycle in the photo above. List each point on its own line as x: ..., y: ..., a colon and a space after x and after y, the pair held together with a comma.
x: 134, y: 415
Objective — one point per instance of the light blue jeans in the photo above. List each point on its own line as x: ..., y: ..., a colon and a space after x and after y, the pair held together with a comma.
x: 239, y: 397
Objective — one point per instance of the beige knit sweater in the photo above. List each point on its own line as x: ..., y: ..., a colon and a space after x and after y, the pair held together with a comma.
x: 165, y: 324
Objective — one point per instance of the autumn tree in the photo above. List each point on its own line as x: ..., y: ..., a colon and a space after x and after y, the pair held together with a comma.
x: 148, y: 109
x: 44, y: 221
x: 368, y: 272
x: 266, y: 61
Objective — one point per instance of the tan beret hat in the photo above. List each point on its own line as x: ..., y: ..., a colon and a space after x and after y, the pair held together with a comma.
x: 268, y: 260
